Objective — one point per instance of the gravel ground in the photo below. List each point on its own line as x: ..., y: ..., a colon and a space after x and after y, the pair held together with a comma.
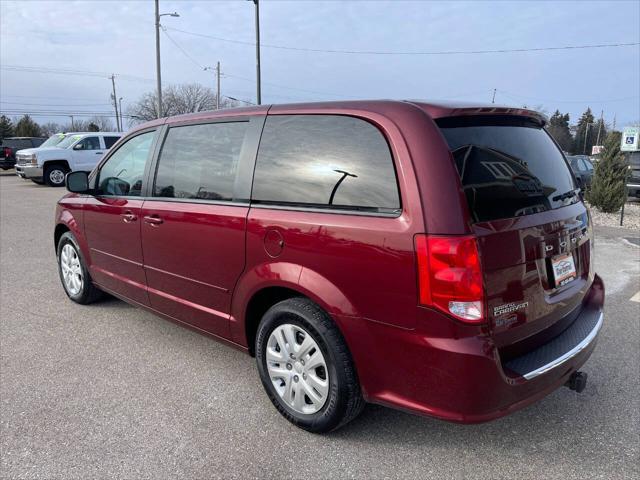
x: 111, y: 391
x: 631, y: 218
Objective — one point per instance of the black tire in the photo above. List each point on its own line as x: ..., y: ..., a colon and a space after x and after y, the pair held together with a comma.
x: 344, y: 401
x: 88, y: 293
x: 54, y: 175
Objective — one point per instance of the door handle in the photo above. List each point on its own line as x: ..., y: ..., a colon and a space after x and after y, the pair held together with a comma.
x: 128, y: 217
x: 153, y: 220
x: 99, y: 153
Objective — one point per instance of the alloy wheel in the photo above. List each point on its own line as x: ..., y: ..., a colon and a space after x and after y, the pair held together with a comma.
x: 71, y: 269
x: 56, y: 176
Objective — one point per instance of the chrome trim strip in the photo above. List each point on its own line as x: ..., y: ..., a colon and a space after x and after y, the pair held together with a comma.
x: 570, y: 354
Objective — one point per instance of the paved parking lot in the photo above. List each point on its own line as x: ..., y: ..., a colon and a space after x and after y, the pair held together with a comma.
x: 108, y: 391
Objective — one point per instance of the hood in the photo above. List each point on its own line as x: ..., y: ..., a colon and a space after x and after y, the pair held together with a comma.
x: 40, y: 151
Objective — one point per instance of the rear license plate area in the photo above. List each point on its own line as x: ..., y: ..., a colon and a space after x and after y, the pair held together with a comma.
x: 563, y: 269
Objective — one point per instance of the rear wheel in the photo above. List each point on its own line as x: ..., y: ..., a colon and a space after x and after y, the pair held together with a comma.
x: 73, y: 272
x: 306, y: 368
x: 54, y: 175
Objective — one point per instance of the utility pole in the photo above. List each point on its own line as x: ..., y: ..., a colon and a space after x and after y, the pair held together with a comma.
x: 158, y: 74
x: 493, y: 100
x: 72, y: 125
x: 258, y: 93
x: 120, y: 105
x: 586, y: 134
x: 218, y: 85
x: 600, y: 126
x: 115, y: 100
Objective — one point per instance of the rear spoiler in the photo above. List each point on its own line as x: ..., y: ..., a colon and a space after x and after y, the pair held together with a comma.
x: 521, y: 112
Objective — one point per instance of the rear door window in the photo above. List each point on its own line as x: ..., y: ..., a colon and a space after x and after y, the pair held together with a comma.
x: 200, y: 161
x: 509, y: 166
x: 109, y: 141
x: 325, y: 161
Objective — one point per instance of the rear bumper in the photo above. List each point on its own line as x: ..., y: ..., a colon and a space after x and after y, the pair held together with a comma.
x: 461, y: 378
x: 29, y: 171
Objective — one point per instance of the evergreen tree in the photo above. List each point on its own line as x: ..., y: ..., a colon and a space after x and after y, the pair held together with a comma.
x: 558, y: 128
x: 608, y: 189
x: 6, y: 127
x: 585, y: 134
x: 26, y: 127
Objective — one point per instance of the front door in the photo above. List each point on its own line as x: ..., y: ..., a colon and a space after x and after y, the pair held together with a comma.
x: 87, y: 153
x: 193, y: 232
x: 112, y: 220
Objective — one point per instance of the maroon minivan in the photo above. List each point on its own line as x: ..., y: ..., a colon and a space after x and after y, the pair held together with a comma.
x: 430, y: 257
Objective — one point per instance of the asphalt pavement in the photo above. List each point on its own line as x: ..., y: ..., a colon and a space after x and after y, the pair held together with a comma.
x: 111, y: 391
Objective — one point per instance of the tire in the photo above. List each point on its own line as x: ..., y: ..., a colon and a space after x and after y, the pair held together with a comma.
x: 54, y: 175
x: 71, y: 262
x: 338, y: 398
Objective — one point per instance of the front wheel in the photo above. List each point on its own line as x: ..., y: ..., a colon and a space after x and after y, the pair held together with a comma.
x: 73, y: 272
x: 306, y: 368
x: 54, y: 175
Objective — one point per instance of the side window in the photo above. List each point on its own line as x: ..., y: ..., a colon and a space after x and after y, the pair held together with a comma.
x: 325, y: 161
x: 88, y: 143
x: 122, y: 173
x: 588, y: 165
x: 109, y: 141
x: 200, y: 161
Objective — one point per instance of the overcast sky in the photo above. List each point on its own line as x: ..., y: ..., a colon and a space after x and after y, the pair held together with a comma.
x: 118, y: 36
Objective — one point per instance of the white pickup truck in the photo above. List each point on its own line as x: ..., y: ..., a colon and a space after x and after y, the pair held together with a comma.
x: 77, y: 151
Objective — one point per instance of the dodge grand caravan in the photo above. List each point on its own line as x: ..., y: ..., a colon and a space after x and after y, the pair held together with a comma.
x: 435, y: 258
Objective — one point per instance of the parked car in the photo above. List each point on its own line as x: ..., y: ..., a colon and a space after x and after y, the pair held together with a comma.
x: 430, y: 257
x: 10, y: 145
x: 633, y: 180
x: 76, y: 151
x: 582, y: 169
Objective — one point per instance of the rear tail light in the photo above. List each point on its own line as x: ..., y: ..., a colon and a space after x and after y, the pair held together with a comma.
x: 7, y: 151
x: 450, y: 276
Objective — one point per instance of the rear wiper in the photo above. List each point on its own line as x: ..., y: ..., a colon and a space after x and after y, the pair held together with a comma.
x: 564, y: 196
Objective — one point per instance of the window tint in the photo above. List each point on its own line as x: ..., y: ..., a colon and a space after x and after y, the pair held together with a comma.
x: 109, y: 141
x: 325, y: 160
x: 509, y: 166
x: 200, y: 161
x: 122, y: 173
x: 88, y: 143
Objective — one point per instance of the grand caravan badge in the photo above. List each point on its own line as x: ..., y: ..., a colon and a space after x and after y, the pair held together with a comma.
x: 509, y: 308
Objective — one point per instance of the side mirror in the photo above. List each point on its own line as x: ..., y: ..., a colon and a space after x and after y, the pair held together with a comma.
x: 78, y: 146
x: 78, y: 182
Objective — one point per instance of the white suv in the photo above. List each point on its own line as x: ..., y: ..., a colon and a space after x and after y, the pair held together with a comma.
x: 77, y: 151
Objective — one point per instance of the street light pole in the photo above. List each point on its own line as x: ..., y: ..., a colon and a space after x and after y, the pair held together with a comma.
x: 258, y: 90
x: 158, y: 73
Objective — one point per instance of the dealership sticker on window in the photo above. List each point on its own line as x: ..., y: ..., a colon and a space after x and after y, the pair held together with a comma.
x: 564, y: 269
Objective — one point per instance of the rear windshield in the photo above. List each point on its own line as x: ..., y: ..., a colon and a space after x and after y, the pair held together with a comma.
x: 509, y: 166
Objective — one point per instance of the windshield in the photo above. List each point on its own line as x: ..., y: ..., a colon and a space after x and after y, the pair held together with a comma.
x: 509, y: 166
x: 53, y: 140
x: 69, y: 140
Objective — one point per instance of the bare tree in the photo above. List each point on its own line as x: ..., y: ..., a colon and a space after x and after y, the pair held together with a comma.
x: 176, y: 100
x: 50, y: 128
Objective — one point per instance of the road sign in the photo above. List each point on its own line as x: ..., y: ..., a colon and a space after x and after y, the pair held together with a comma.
x: 629, y: 142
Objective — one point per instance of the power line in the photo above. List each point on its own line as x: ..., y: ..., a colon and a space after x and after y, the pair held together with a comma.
x: 67, y: 71
x: 434, y: 52
x: 516, y: 96
x: 58, y: 104
x: 186, y: 54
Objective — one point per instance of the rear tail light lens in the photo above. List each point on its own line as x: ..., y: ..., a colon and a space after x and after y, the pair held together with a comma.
x: 450, y: 276
x: 7, y: 151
